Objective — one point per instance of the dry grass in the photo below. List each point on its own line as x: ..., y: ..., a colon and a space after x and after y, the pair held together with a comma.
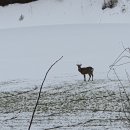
x: 67, y: 106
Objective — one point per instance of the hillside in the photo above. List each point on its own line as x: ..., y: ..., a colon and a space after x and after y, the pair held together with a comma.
x: 51, y: 12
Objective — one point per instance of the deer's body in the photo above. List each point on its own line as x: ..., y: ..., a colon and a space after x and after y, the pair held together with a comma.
x: 86, y: 70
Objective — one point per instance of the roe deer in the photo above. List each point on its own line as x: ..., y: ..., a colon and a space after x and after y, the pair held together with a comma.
x: 86, y: 70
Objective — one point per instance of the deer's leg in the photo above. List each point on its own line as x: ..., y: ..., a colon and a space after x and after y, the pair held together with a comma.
x: 92, y: 77
x: 84, y: 77
x: 89, y: 77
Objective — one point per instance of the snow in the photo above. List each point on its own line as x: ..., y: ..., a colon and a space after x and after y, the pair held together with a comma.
x: 82, y: 33
x: 55, y: 12
x: 28, y: 52
x: 77, y: 105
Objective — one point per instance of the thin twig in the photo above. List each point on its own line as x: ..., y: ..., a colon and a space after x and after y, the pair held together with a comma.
x: 123, y: 105
x: 39, y: 94
x: 119, y: 58
x: 122, y: 64
x: 128, y: 77
x: 122, y: 87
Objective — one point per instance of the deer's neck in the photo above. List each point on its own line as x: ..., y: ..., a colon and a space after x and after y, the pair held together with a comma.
x: 79, y: 69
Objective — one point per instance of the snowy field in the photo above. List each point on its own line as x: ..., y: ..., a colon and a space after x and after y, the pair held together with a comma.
x: 81, y: 32
x: 27, y: 53
x: 72, y: 106
x: 67, y: 102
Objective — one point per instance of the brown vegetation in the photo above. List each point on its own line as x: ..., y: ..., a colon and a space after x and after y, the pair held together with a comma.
x: 7, y: 2
x: 109, y: 4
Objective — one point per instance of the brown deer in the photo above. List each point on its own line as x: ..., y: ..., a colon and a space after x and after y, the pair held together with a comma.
x: 86, y: 70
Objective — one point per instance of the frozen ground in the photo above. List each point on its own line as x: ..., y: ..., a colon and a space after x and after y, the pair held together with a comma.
x: 69, y: 105
x: 66, y: 102
x: 83, y: 33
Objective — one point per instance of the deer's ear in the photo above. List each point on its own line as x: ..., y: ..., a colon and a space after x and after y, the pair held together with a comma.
x: 78, y: 64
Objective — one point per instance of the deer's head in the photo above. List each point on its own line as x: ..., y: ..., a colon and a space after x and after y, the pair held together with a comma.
x: 79, y: 66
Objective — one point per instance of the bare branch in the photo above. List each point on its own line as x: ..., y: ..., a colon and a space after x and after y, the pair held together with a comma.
x: 39, y: 94
x: 122, y: 64
x: 128, y: 77
x: 120, y: 57
x: 122, y: 86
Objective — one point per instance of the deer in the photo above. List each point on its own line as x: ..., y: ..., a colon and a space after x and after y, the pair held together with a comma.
x: 86, y: 70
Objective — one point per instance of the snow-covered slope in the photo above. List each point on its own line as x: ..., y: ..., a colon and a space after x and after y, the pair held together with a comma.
x: 28, y: 52
x: 51, y: 12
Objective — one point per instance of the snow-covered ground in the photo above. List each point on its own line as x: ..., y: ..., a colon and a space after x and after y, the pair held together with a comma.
x: 67, y: 102
x: 55, y: 12
x: 69, y: 105
x: 81, y: 32
x: 27, y: 53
